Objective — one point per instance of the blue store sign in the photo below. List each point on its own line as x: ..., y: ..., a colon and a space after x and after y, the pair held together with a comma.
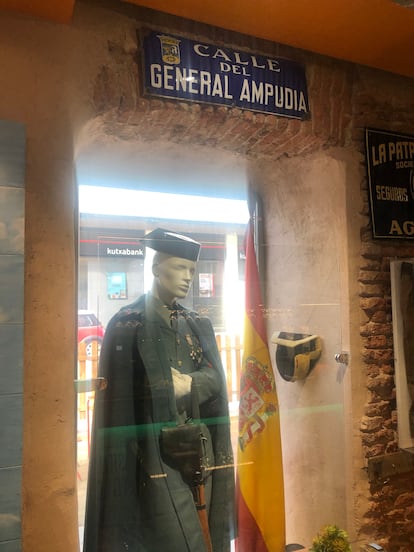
x: 183, y: 69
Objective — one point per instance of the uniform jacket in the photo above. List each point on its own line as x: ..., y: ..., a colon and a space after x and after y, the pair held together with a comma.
x: 135, y: 501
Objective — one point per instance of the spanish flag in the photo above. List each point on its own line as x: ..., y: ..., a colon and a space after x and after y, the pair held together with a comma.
x: 260, y: 494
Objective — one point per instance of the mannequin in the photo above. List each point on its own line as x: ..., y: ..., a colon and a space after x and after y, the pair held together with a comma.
x: 164, y: 374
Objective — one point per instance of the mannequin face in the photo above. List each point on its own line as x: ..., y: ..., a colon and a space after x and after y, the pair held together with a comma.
x: 172, y: 278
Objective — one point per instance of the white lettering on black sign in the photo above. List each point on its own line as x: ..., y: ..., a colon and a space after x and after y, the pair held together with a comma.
x: 390, y: 164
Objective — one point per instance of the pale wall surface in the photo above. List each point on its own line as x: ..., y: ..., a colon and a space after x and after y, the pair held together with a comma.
x: 33, y: 58
x: 306, y: 281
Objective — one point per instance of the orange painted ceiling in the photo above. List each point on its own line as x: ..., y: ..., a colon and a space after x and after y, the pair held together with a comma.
x: 377, y: 33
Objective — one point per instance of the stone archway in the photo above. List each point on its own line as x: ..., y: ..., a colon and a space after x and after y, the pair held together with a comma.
x: 305, y: 186
x: 268, y: 151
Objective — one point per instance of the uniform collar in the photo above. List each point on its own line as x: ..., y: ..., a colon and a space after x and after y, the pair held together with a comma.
x: 155, y: 308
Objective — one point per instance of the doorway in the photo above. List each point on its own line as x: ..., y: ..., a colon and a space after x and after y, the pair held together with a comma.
x: 305, y: 280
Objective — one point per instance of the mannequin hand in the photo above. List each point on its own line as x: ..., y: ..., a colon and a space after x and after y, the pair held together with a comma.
x: 182, y: 383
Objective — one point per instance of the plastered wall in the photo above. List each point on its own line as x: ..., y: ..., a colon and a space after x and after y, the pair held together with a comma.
x: 72, y: 86
x: 35, y: 95
x: 306, y: 280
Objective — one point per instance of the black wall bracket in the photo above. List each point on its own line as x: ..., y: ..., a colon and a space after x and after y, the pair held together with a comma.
x: 382, y: 467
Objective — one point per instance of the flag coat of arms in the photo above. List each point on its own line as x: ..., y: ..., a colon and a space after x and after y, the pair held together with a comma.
x: 260, y: 491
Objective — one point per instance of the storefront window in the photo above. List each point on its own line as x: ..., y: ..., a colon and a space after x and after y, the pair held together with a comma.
x: 171, y: 378
x: 116, y: 268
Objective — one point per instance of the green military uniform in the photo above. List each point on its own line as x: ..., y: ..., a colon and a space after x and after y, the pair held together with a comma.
x: 136, y: 501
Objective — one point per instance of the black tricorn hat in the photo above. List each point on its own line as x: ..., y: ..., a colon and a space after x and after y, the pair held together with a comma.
x: 173, y: 244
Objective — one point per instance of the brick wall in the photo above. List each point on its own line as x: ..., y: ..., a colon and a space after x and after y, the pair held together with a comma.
x: 389, y: 518
x: 390, y: 515
x: 123, y: 111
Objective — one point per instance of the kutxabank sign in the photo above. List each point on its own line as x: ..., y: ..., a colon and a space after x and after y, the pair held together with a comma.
x: 183, y: 69
x: 390, y: 164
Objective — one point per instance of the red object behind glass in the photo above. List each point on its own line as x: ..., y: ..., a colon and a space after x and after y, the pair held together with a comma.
x: 89, y: 329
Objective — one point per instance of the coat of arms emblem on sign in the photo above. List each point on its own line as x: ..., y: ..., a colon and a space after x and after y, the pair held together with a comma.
x: 170, y: 49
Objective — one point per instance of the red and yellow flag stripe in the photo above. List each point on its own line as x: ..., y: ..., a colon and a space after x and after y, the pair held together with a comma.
x: 261, y: 510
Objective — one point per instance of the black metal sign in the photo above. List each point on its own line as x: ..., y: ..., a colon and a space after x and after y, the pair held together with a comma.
x: 390, y: 164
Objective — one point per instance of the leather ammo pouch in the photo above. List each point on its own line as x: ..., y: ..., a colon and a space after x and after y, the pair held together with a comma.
x: 183, y: 445
x: 182, y: 448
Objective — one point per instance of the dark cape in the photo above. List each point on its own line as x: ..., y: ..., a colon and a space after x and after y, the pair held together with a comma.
x: 135, y: 501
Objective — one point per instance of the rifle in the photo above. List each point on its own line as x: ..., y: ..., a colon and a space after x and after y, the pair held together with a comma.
x: 183, y: 448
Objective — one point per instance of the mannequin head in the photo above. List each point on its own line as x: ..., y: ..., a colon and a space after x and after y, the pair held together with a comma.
x: 172, y: 277
x: 174, y: 264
